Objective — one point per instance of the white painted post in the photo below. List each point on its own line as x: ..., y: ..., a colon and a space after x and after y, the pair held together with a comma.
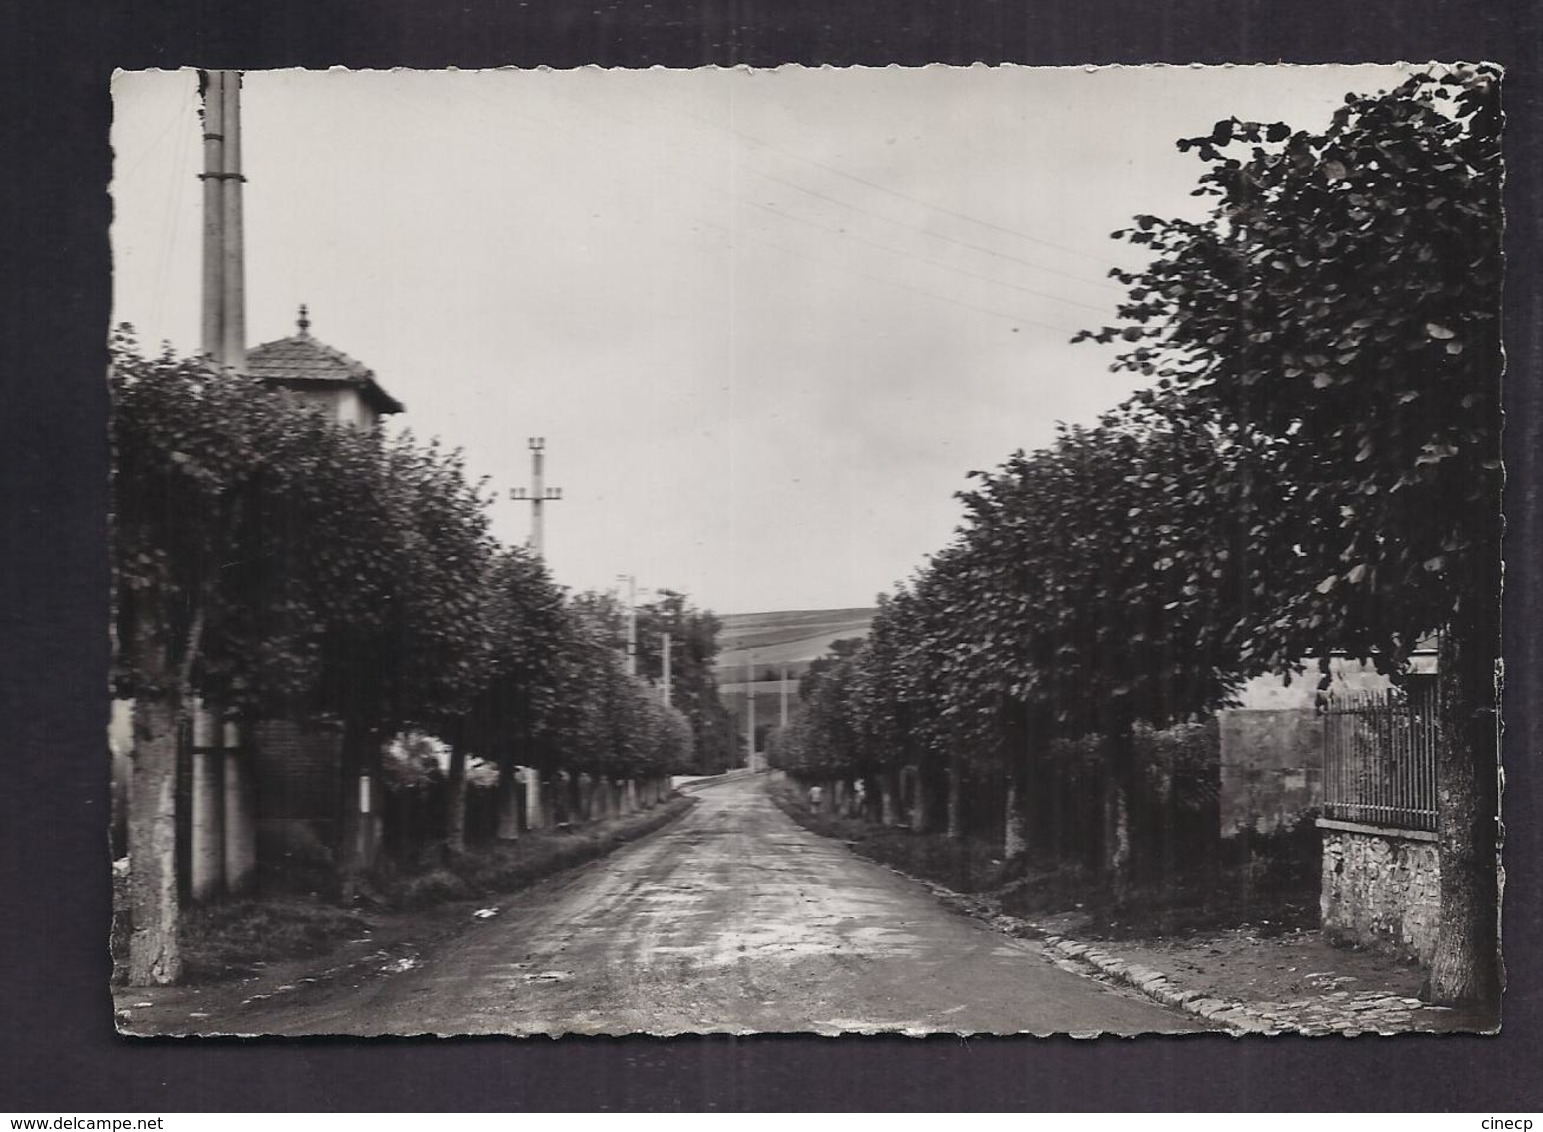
x: 207, y: 853
x: 1013, y: 841
x: 240, y: 821
x: 535, y: 810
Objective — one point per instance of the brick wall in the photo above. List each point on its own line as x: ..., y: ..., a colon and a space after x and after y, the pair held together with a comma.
x: 298, y: 798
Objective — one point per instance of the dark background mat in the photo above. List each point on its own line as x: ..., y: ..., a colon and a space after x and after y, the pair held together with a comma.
x: 60, y: 1050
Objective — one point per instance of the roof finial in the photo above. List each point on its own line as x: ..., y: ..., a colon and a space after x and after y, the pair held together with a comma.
x: 305, y: 322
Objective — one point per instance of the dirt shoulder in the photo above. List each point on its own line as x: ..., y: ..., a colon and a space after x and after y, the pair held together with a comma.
x: 1261, y: 977
x: 387, y: 940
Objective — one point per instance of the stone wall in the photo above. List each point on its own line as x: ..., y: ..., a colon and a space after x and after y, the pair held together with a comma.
x: 1381, y: 888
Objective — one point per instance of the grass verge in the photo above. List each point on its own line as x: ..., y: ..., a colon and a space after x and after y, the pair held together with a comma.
x: 510, y: 865
x: 227, y: 940
x: 966, y: 865
x: 224, y: 940
x: 1269, y: 886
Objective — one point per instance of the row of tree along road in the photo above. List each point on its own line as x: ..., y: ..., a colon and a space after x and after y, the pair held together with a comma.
x: 1316, y: 468
x: 282, y: 567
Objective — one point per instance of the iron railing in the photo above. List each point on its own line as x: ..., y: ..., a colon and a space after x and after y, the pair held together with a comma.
x: 1380, y: 756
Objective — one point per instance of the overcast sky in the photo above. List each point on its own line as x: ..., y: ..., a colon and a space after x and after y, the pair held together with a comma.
x: 766, y: 321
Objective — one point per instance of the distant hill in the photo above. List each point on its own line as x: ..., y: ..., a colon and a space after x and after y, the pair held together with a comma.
x: 790, y: 637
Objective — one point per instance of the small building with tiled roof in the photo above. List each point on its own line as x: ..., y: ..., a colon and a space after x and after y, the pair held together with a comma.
x: 317, y: 374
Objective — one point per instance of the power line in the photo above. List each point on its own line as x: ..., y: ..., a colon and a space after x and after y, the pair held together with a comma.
x: 925, y: 259
x: 187, y: 110
x: 891, y: 282
x: 874, y: 184
x: 997, y: 253
x: 941, y: 236
x: 835, y: 265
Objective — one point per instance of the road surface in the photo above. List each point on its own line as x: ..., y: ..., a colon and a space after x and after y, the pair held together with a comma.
x: 732, y: 919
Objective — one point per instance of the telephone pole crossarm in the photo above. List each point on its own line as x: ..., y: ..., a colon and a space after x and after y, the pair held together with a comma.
x: 537, y: 495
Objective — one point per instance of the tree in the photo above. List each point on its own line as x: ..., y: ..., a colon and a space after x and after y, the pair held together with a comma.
x: 512, y: 715
x: 1097, y: 576
x: 1340, y: 306
x: 225, y: 533
x: 835, y: 653
x: 390, y: 587
x: 693, y: 637
x: 172, y: 480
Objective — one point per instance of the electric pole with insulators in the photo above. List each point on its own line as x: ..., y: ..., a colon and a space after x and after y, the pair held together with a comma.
x: 664, y: 642
x: 538, y: 494
x: 750, y: 711
x: 632, y: 621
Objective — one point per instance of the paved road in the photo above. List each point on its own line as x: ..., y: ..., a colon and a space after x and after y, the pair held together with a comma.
x: 731, y: 919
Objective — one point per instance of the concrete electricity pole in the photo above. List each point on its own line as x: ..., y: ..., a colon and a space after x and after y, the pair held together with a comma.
x: 750, y: 710
x: 664, y: 642
x: 784, y: 719
x: 539, y: 493
x: 632, y: 621
x: 223, y: 337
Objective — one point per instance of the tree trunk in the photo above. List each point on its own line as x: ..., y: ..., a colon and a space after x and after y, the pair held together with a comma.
x: 508, y: 796
x: 921, y: 810
x: 535, y: 799
x: 1018, y: 757
x: 889, y: 812
x: 360, y: 753
x: 1465, y: 968
x: 1117, y: 838
x: 455, y: 800
x: 154, y: 956
x: 955, y: 817
x: 1120, y: 762
x: 1014, y: 842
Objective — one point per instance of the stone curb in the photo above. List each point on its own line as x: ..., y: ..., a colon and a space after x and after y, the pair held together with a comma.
x: 1151, y: 983
x: 1235, y: 1016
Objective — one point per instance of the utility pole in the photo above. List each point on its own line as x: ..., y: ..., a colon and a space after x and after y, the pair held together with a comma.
x: 784, y: 719
x: 539, y: 493
x: 212, y: 337
x: 632, y: 621
x: 234, y: 353
x: 664, y: 641
x: 750, y: 710
x: 223, y: 337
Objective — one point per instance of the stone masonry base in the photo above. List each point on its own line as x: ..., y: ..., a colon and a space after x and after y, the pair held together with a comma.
x: 1381, y: 888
